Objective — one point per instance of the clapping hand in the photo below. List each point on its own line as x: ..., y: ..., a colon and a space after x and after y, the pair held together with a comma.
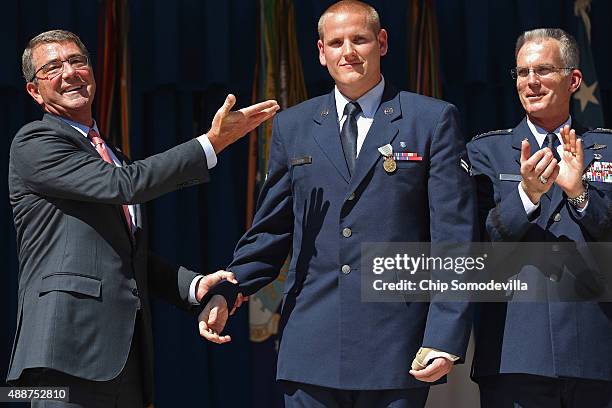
x: 572, y: 163
x: 538, y: 171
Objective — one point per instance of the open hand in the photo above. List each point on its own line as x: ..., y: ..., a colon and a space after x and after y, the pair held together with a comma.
x: 571, y: 166
x: 229, y: 126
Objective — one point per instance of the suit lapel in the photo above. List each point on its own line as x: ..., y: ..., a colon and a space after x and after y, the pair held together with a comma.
x: 118, y: 154
x: 124, y: 162
x: 382, y: 132
x: 81, y: 141
x: 71, y: 133
x: 327, y: 135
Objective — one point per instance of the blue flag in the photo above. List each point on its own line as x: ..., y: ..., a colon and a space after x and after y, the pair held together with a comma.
x: 586, y: 107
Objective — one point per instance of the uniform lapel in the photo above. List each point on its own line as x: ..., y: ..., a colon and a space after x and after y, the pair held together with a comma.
x: 520, y: 132
x: 327, y: 135
x: 555, y: 194
x: 556, y: 199
x: 382, y: 132
x: 589, y: 153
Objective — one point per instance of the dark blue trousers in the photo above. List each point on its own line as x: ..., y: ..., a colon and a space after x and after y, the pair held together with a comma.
x: 527, y: 391
x: 299, y: 395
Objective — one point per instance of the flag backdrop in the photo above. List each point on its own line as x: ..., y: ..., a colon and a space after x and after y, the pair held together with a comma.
x: 112, y: 94
x: 423, y: 49
x: 586, y: 107
x: 278, y: 75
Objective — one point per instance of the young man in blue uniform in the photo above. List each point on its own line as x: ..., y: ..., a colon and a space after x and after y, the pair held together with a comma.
x: 329, y: 189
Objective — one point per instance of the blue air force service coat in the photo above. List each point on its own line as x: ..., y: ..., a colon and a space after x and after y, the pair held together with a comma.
x: 550, y: 337
x: 312, y: 206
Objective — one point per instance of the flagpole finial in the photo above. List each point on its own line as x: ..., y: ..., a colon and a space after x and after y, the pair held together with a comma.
x: 581, y: 9
x: 581, y: 6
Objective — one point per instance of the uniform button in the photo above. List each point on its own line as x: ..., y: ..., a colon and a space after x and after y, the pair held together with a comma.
x: 351, y: 197
x: 346, y: 269
x: 557, y: 217
x: 135, y: 292
x: 556, y: 248
x: 346, y: 232
x: 554, y: 278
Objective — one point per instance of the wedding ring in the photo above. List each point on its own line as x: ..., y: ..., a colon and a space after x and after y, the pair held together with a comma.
x: 543, y: 179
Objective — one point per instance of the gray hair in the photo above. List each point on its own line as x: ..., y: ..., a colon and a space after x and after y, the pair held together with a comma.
x: 53, y: 36
x: 568, y: 48
x: 351, y: 6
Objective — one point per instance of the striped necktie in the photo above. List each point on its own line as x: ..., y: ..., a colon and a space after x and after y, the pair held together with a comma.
x: 103, y: 152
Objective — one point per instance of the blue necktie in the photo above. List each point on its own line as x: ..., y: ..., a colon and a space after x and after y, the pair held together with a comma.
x: 552, y: 142
x: 348, y: 134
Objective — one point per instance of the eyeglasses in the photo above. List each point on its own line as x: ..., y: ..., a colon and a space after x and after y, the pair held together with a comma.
x: 54, y: 68
x: 539, y: 70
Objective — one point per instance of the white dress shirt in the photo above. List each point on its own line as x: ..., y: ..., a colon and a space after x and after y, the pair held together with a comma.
x: 368, y: 102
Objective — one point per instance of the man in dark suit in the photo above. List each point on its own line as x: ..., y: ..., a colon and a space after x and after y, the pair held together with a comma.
x: 547, y: 353
x: 84, y: 317
x: 328, y: 190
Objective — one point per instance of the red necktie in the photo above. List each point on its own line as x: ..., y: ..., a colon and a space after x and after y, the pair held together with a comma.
x: 101, y: 148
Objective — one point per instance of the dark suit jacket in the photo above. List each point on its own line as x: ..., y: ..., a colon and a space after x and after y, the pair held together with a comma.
x: 82, y: 278
x: 571, y: 339
x: 329, y: 336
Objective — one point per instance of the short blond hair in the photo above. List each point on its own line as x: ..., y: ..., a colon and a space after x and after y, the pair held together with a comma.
x: 351, y: 6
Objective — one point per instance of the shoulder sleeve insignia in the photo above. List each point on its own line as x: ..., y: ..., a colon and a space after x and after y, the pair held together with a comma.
x: 464, y: 163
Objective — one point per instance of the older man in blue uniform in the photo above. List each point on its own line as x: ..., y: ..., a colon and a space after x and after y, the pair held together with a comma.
x: 535, y: 184
x: 364, y: 163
